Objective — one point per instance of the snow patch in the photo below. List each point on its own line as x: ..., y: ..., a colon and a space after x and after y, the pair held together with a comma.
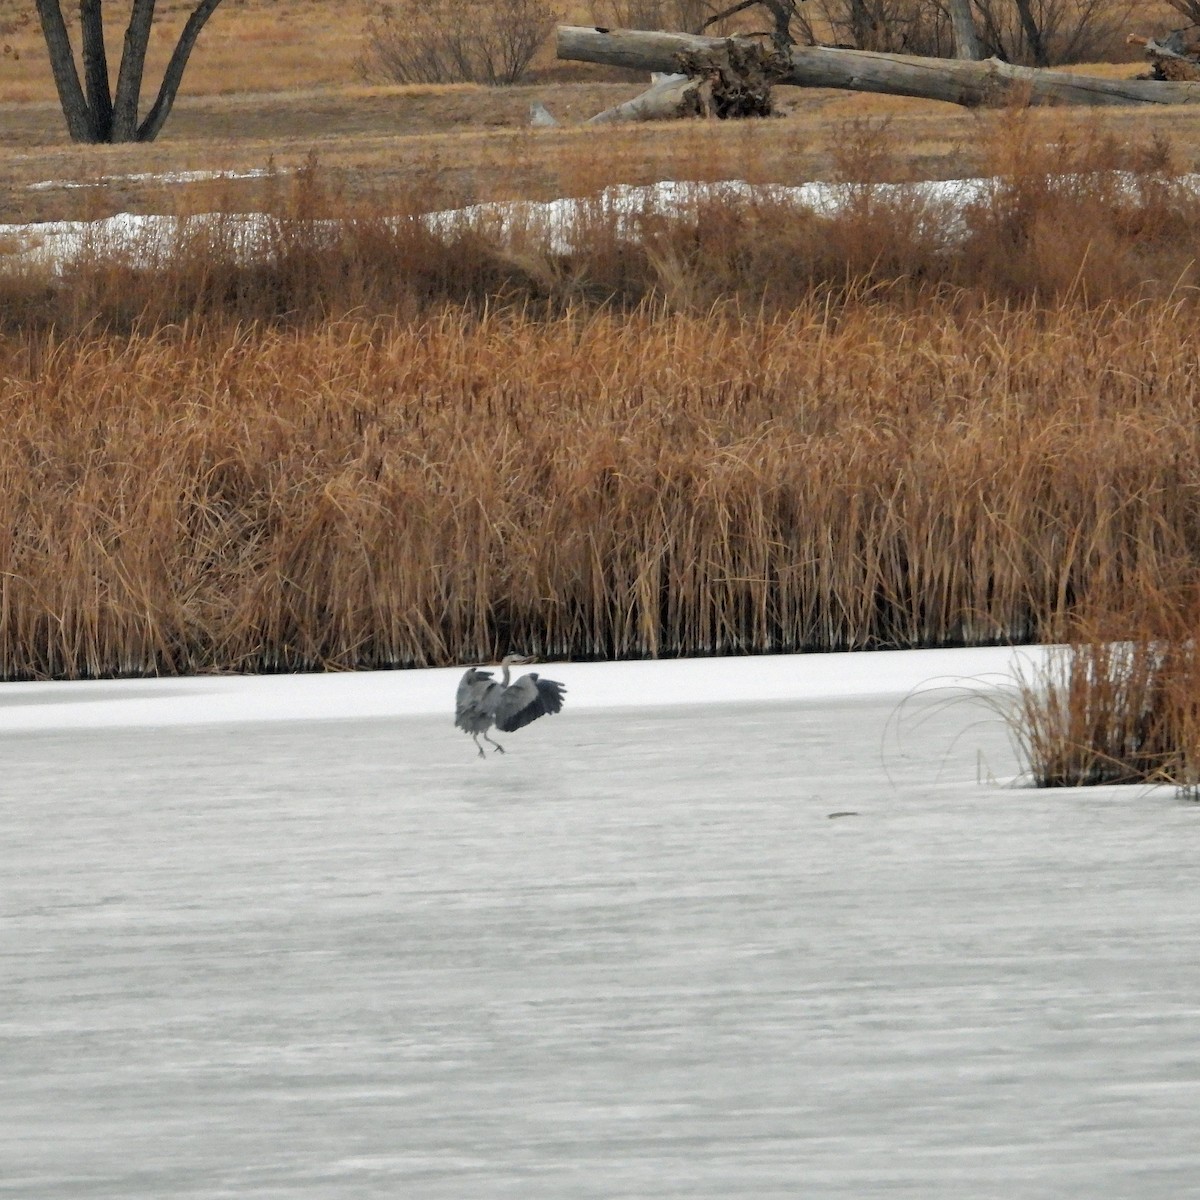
x: 164, y: 177
x: 57, y: 241
x: 695, y: 681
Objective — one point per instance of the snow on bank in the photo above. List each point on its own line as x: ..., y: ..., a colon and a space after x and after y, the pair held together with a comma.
x: 56, y: 241
x: 247, y: 698
x: 155, y: 177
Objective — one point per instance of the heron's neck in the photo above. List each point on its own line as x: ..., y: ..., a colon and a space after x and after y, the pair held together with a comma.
x: 504, y: 681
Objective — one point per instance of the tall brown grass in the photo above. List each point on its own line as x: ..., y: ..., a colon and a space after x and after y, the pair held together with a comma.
x: 373, y: 492
x: 1081, y: 216
x: 1119, y: 701
x: 361, y: 442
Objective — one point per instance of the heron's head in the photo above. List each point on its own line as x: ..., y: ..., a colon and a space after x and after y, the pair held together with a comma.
x: 516, y: 660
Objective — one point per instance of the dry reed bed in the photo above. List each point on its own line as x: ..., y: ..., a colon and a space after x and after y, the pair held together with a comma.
x: 1082, y: 216
x: 1119, y: 702
x: 371, y: 492
x: 363, y: 443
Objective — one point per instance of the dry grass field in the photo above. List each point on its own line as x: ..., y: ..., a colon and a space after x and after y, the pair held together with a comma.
x: 740, y: 431
x: 273, y: 81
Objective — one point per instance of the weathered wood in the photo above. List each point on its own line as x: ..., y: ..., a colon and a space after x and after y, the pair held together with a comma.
x: 966, y: 41
x: 727, y: 79
x: 672, y: 96
x: 972, y: 84
x: 735, y: 77
x: 1175, y: 57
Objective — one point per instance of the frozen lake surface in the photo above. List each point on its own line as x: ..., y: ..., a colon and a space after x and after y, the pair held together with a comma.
x: 637, y: 956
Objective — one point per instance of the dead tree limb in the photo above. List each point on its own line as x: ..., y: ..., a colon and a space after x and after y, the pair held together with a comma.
x: 727, y: 79
x: 1177, y: 56
x: 966, y: 40
x: 673, y: 96
x: 963, y: 82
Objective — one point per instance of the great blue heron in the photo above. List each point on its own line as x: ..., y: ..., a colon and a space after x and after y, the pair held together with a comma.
x: 482, y: 702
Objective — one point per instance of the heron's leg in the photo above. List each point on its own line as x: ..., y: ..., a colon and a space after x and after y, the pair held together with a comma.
x: 499, y: 748
x: 478, y: 747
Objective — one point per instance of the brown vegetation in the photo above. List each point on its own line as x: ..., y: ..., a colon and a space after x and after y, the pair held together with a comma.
x: 482, y: 41
x: 738, y: 431
x: 1119, y: 702
x: 375, y: 493
x: 462, y: 141
x: 741, y: 430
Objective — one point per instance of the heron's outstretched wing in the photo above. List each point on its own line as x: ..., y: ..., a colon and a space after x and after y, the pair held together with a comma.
x: 526, y: 699
x: 475, y: 700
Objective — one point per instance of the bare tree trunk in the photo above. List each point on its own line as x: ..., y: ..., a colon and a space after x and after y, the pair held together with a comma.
x: 95, y: 64
x: 1174, y: 57
x: 173, y: 76
x: 100, y: 116
x: 1033, y: 34
x: 66, y: 76
x: 782, y: 11
x: 958, y: 82
x: 730, y: 79
x: 133, y: 63
x: 674, y: 96
x: 966, y: 41
x: 862, y: 29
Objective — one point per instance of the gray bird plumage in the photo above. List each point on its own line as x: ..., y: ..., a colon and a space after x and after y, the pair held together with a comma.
x: 482, y: 702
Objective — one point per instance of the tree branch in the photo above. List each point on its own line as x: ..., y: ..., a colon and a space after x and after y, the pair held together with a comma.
x: 729, y: 12
x: 955, y: 81
x: 173, y: 75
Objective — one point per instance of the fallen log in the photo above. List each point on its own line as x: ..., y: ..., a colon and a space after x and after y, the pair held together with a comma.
x: 727, y: 79
x: 974, y: 84
x: 672, y: 96
x: 1176, y: 56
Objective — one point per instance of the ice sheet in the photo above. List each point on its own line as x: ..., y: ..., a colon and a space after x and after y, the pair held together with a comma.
x: 641, y: 955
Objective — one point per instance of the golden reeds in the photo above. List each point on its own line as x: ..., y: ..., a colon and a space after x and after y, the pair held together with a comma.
x: 1119, y: 701
x: 375, y: 492
x: 366, y: 442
